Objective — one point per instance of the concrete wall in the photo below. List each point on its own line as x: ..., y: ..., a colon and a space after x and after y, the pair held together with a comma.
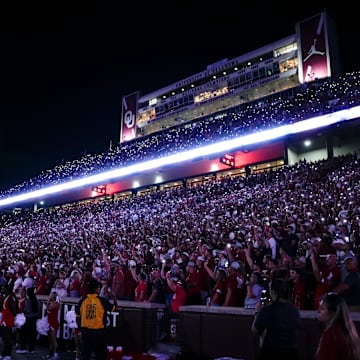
x: 211, y: 332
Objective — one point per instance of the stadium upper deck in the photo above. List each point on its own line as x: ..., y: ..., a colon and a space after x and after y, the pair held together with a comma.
x: 309, y: 54
x: 138, y: 165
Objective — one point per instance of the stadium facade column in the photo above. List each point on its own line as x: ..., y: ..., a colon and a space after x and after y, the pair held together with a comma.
x: 286, y: 155
x: 329, y: 146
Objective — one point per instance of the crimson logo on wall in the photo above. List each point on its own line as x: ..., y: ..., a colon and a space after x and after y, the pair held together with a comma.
x: 228, y: 159
x: 128, y: 117
x: 313, y: 51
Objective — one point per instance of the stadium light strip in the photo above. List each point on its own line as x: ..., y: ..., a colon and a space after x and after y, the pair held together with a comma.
x: 220, y: 147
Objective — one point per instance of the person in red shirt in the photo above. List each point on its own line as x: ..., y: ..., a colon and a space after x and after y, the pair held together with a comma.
x: 298, y: 289
x: 33, y: 271
x: 9, y: 310
x: 168, y: 265
x: 129, y: 283
x: 117, y: 283
x: 328, y: 277
x: 178, y: 300
x: 179, y: 296
x: 52, y: 312
x: 74, y: 284
x: 42, y: 283
x: 235, y: 285
x: 219, y: 291
x: 340, y: 339
x: 192, y: 282
x: 141, y: 290
x: 204, y: 279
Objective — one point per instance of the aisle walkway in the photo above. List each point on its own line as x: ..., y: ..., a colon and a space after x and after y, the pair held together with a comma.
x: 164, y: 353
x: 40, y: 352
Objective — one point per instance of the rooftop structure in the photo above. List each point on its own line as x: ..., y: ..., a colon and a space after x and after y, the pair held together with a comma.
x: 307, y: 55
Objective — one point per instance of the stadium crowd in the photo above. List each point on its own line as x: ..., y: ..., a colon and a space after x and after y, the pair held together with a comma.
x: 317, y: 98
x: 221, y: 241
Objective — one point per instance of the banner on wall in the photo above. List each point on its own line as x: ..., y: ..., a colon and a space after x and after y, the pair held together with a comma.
x: 66, y: 333
x: 313, y: 48
x: 128, y: 117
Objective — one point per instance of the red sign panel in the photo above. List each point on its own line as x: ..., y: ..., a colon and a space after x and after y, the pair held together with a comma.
x: 313, y: 48
x: 228, y: 159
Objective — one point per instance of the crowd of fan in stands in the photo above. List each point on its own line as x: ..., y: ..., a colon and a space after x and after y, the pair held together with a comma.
x: 311, y: 99
x: 221, y: 240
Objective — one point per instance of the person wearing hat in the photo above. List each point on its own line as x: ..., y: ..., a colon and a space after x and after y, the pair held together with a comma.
x: 235, y: 285
x: 91, y: 314
x: 349, y: 289
x: 176, y: 285
x: 179, y: 293
x: 328, y: 276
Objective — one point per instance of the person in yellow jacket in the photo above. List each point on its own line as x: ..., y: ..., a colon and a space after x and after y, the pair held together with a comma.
x: 91, y: 313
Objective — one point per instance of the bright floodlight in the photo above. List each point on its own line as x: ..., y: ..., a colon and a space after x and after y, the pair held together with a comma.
x: 221, y: 147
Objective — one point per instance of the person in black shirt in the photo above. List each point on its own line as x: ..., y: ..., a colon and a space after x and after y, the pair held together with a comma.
x: 28, y: 332
x: 277, y: 323
x: 157, y: 287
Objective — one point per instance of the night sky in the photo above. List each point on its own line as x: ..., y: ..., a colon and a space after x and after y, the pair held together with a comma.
x: 64, y: 71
